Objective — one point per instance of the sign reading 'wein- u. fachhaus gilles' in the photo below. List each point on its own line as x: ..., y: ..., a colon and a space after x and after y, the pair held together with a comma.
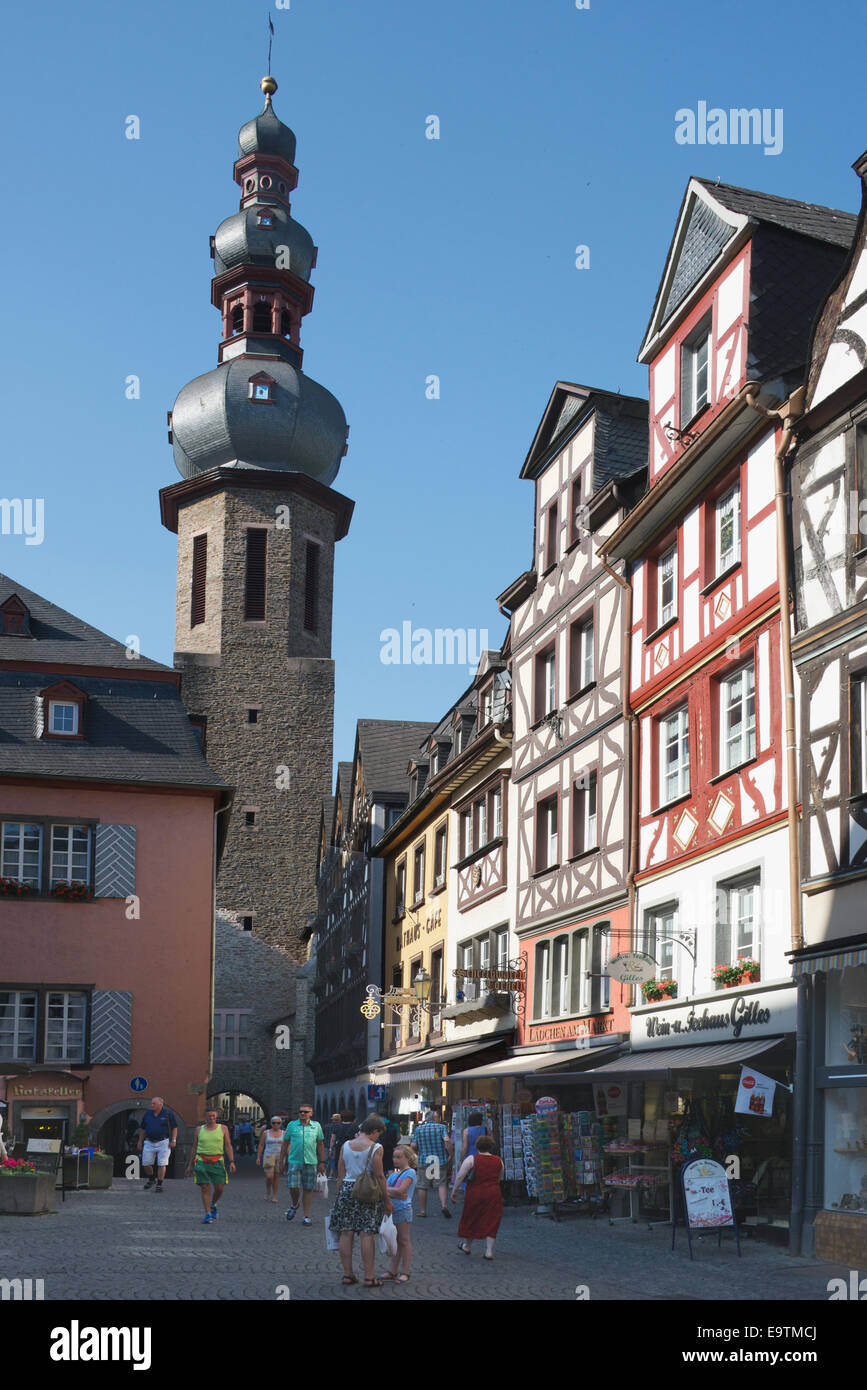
x: 726, y: 1016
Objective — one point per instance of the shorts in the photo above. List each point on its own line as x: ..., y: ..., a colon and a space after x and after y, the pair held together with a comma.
x: 399, y: 1217
x: 269, y: 1162
x: 209, y: 1174
x: 440, y: 1174
x: 303, y: 1176
x: 156, y: 1151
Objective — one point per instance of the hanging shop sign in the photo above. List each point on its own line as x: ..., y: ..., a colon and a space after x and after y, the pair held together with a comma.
x: 725, y: 1016
x: 706, y: 1194
x: 498, y: 981
x: 632, y: 967
x: 755, y: 1093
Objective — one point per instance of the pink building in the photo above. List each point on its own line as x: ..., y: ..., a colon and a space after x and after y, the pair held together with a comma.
x: 108, y: 833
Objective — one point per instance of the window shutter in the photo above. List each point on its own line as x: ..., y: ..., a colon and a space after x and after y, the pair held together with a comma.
x: 311, y: 588
x: 110, y: 1026
x: 115, y: 861
x: 200, y: 572
x: 254, y: 590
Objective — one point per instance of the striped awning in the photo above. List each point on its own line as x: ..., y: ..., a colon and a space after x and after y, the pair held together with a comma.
x: 420, y: 1066
x: 830, y: 960
x: 706, y: 1055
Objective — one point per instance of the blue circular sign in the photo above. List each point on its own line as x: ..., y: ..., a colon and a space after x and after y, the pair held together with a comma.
x: 138, y: 1083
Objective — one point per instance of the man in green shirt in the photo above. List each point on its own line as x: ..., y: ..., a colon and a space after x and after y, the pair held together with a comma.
x: 304, y: 1142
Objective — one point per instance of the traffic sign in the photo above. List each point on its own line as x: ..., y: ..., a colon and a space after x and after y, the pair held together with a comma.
x: 138, y: 1083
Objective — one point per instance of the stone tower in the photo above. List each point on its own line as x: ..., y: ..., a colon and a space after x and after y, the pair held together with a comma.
x: 258, y: 445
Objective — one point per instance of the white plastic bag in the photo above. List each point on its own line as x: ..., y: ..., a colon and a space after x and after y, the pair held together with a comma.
x: 321, y: 1185
x: 388, y: 1237
x: 332, y: 1238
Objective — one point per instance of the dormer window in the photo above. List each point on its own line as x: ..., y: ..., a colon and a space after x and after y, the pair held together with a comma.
x: 261, y: 387
x: 265, y: 217
x: 63, y: 711
x: 14, y: 618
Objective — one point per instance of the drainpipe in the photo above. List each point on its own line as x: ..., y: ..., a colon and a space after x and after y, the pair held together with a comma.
x: 632, y: 721
x: 787, y: 416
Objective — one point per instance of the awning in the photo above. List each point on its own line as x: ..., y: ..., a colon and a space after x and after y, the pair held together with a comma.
x: 529, y: 1064
x: 830, y: 960
x: 665, y: 1059
x: 420, y: 1065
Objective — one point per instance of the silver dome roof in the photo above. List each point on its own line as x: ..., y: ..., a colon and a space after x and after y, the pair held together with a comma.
x: 265, y: 134
x: 215, y: 423
x: 241, y: 241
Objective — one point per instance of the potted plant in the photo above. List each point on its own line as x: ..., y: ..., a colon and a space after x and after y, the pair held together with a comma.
x: 727, y: 976
x: 751, y: 969
x: 72, y: 891
x: 15, y: 888
x: 101, y: 1170
x: 24, y: 1190
x: 654, y: 990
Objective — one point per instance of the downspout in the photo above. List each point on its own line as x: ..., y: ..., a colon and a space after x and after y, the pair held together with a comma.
x: 787, y: 416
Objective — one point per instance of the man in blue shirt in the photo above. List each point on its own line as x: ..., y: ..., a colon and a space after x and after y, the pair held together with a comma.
x: 159, y: 1135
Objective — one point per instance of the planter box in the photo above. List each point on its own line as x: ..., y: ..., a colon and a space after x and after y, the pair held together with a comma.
x: 27, y: 1196
x: 841, y: 1237
x: 101, y: 1171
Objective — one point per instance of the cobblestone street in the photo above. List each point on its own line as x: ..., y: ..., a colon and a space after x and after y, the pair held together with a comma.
x: 130, y: 1244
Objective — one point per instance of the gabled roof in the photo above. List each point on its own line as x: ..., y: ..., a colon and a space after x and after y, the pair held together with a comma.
x: 59, y: 638
x: 344, y: 785
x: 385, y: 747
x: 714, y: 222
x: 617, y: 452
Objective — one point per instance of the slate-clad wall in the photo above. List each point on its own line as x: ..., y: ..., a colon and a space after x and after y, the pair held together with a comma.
x: 230, y: 665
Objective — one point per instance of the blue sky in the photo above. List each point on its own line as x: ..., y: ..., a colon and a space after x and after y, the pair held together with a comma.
x: 453, y: 257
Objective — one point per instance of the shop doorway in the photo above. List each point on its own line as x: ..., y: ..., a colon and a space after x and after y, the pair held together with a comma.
x: 43, y: 1122
x: 119, y: 1137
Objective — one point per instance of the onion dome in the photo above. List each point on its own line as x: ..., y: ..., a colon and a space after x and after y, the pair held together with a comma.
x: 266, y: 134
x: 251, y: 238
x: 258, y: 413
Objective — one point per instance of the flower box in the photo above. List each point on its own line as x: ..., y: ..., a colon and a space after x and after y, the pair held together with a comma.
x: 72, y: 892
x: 655, y: 991
x: 15, y: 888
x: 26, y: 1194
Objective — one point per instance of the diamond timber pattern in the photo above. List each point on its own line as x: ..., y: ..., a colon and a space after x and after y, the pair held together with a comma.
x: 111, y: 1025
x: 115, y: 861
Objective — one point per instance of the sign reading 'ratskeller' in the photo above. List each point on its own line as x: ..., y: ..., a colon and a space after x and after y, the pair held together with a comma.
x: 747, y: 1014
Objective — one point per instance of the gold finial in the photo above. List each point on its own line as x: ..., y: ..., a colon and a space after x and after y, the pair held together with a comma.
x: 268, y: 86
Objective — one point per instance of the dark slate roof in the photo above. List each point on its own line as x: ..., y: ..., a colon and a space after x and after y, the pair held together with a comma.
x: 58, y: 636
x: 386, y: 746
x: 136, y: 731
x: 620, y: 442
x: 344, y: 785
x: 810, y: 219
x: 790, y: 279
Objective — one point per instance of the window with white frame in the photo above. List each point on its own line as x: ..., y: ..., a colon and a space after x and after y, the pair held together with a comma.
x: 496, y: 807
x: 485, y: 953
x: 581, y: 965
x: 440, y: 856
x: 674, y: 754
x: 546, y: 834
x: 22, y: 852
x: 418, y: 873
x: 486, y: 706
x: 727, y: 529
x: 62, y: 717
x: 695, y: 371
x: 400, y: 889
x: 65, y: 1014
x: 666, y: 586
x: 658, y: 938
x: 602, y: 955
x: 542, y: 983
x: 546, y: 683
x: 738, y: 717
x: 585, y: 835
x: 17, y: 1026
x: 70, y: 854
x: 738, y: 925
x: 468, y: 987
x: 501, y: 945
x: 231, y: 1034
x: 561, y: 1000
x: 858, y: 702
x: 582, y: 666
x: 467, y: 842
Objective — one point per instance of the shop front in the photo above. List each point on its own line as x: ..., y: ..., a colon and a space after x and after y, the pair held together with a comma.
x: 43, y: 1106
x: 833, y: 981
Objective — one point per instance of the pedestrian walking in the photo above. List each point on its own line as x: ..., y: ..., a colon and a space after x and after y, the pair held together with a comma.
x: 157, y: 1137
x: 247, y: 1138
x: 268, y: 1156
x: 401, y: 1185
x: 352, y: 1214
x: 347, y: 1129
x: 330, y: 1134
x: 208, y: 1153
x: 302, y: 1155
x: 474, y: 1131
x: 483, y: 1202
x: 431, y: 1142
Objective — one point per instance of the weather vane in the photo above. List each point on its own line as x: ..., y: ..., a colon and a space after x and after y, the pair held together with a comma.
x: 270, y: 41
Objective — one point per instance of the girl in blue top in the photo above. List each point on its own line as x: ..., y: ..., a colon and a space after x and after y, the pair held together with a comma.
x: 401, y: 1183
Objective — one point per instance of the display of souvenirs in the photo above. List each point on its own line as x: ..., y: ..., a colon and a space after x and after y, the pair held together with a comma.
x: 511, y: 1149
x: 528, y: 1147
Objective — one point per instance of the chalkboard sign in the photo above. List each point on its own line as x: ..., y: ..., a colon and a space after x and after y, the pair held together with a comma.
x: 707, y: 1204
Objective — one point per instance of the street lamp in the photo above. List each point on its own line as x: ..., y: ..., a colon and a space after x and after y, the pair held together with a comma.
x: 421, y: 984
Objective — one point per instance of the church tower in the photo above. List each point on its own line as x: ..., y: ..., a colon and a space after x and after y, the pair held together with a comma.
x: 258, y: 445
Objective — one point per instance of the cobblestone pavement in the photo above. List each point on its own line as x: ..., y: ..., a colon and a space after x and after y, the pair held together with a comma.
x: 130, y: 1244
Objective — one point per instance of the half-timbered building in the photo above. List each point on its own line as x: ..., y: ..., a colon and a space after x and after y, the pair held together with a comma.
x: 571, y: 754
x: 829, y: 490
x: 726, y: 344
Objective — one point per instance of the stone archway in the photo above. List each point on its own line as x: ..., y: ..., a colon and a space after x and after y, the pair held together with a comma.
x: 117, y: 1140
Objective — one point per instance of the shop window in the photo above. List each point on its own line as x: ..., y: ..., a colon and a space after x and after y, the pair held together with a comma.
x: 738, y: 717
x: 738, y: 927
x: 674, y: 754
x: 695, y: 372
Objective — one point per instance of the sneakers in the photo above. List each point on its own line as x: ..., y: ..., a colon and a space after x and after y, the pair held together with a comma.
x: 206, y: 1220
x: 308, y: 1221
x: 159, y: 1186
x: 447, y: 1214
x: 148, y: 1185
x: 214, y: 1213
x: 290, y: 1215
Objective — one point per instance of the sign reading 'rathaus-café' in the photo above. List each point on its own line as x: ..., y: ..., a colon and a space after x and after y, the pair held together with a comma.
x: 726, y: 1016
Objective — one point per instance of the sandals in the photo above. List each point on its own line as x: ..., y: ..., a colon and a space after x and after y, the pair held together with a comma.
x: 403, y: 1278
x: 465, y: 1250
x: 349, y: 1279
x: 370, y: 1283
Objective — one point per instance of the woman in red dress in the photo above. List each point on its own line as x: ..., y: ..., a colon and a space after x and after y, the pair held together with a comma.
x: 483, y: 1203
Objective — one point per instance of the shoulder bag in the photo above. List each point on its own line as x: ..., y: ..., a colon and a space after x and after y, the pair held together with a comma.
x: 366, y: 1188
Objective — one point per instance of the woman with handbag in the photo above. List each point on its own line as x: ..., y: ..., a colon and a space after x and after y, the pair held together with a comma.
x: 362, y: 1199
